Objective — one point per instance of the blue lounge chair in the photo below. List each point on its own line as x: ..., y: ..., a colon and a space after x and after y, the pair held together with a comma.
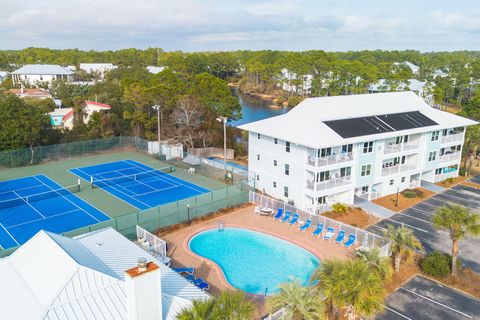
x: 319, y: 230
x: 294, y: 219
x: 286, y: 217
x: 351, y: 240
x: 279, y: 214
x: 184, y: 270
x: 200, y: 283
x: 328, y: 236
x: 189, y: 277
x: 340, y: 237
x: 306, y: 225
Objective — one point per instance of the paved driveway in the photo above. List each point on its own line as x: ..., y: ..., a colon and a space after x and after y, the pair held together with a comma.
x: 422, y: 298
x: 418, y: 218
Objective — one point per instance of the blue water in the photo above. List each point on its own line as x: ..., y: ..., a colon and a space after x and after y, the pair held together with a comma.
x: 230, y: 163
x: 254, y: 109
x: 253, y: 261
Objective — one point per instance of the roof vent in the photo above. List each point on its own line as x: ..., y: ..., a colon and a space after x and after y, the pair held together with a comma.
x: 99, y: 244
x: 142, y: 264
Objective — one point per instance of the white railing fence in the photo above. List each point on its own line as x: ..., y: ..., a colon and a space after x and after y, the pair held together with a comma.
x: 211, y: 152
x: 452, y: 137
x: 151, y: 243
x: 364, y: 238
x: 450, y: 156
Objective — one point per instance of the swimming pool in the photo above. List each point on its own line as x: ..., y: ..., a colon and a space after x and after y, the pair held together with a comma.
x: 252, y: 261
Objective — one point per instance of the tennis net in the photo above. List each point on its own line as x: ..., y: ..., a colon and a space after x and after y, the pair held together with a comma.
x: 20, y: 200
x: 98, y: 183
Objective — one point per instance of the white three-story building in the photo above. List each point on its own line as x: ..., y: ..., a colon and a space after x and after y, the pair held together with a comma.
x: 331, y: 149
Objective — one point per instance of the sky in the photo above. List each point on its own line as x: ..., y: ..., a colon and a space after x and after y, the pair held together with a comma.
x: 206, y: 25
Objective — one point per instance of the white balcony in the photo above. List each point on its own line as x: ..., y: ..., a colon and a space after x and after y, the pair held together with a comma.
x: 328, y: 160
x: 443, y: 176
x: 452, y: 137
x: 450, y: 157
x: 392, y: 148
x: 395, y: 169
x: 333, y: 183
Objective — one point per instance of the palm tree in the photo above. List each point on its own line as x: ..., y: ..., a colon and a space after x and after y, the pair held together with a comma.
x: 403, y: 244
x: 299, y: 302
x: 375, y: 261
x: 459, y: 222
x: 233, y: 305
x: 200, y: 310
x: 351, y: 286
x: 230, y: 305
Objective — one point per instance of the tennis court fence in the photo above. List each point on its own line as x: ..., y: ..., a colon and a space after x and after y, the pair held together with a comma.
x: 364, y: 238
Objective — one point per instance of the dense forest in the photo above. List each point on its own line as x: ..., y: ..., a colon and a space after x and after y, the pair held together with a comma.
x: 193, y: 90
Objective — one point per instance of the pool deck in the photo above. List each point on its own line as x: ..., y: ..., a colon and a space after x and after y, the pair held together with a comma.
x: 244, y: 217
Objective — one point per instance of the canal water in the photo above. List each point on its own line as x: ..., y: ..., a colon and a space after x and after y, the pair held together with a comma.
x: 254, y: 109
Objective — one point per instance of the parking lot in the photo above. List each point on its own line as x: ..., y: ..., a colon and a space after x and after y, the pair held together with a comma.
x: 418, y: 218
x: 422, y: 298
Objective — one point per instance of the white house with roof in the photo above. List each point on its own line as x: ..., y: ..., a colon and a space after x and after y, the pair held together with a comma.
x: 155, y: 70
x: 293, y: 83
x: 415, y: 69
x: 421, y: 88
x: 35, y: 74
x: 331, y: 149
x: 90, y: 277
x: 100, y: 69
x: 63, y: 117
x: 3, y: 75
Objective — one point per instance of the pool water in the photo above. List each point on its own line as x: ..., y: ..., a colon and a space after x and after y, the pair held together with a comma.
x: 252, y: 261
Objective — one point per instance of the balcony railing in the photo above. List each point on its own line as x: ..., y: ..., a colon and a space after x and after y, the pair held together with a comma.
x: 450, y: 156
x: 395, y: 169
x: 443, y: 176
x: 333, y: 183
x: 392, y: 148
x: 452, y: 137
x: 328, y: 160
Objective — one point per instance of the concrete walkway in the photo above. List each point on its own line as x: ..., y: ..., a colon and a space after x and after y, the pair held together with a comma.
x: 373, y: 208
x: 431, y: 186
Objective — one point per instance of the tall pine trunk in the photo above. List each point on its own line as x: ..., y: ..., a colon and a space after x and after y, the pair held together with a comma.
x: 454, y: 257
x: 398, y: 259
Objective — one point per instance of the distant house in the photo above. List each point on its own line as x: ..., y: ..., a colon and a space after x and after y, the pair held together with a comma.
x: 420, y: 88
x: 3, y: 75
x: 97, y: 275
x: 91, y: 106
x: 293, y: 83
x: 97, y: 68
x: 439, y: 73
x: 63, y: 117
x: 155, y: 70
x: 415, y: 69
x: 31, y: 93
x: 35, y: 74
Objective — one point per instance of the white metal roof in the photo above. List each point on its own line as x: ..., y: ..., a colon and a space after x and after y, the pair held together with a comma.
x: 97, y: 67
x: 54, y: 277
x: 304, y: 125
x: 412, y: 84
x: 155, y: 70
x: 42, y: 69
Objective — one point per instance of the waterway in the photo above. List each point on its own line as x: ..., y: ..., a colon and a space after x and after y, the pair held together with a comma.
x: 254, y: 109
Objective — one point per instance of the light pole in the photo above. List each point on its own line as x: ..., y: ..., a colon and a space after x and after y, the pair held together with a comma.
x: 188, y: 213
x: 224, y: 120
x: 157, y: 107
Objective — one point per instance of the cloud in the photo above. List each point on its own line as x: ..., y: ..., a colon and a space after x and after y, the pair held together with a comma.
x: 248, y: 24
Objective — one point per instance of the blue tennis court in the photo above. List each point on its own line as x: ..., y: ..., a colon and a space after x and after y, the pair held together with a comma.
x: 137, y: 184
x: 30, y: 204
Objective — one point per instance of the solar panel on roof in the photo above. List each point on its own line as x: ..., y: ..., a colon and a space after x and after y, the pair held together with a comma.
x: 362, y: 126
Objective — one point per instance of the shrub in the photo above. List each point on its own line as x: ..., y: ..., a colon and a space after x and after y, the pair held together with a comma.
x: 294, y: 100
x: 409, y: 194
x: 462, y: 172
x: 339, y: 207
x: 449, y: 180
x: 438, y: 264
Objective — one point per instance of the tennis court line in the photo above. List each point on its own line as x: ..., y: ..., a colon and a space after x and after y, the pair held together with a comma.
x: 74, y: 204
x: 150, y: 176
x: 46, y: 218
x: 173, y: 179
x: 150, y: 187
x: 29, y: 204
x: 31, y: 187
x: 131, y: 197
x: 156, y: 190
x: 13, y: 238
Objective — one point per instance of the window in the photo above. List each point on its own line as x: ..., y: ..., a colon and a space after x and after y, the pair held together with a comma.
x: 258, y: 136
x: 285, y: 191
x: 258, y: 177
x: 444, y: 132
x: 258, y: 157
x: 287, y: 169
x: 398, y: 140
x: 274, y: 184
x: 367, y: 147
x: 287, y: 146
x: 403, y: 179
x: 275, y: 141
x: 432, y: 156
x: 323, y: 176
x: 435, y: 135
x: 405, y: 139
x: 364, y: 189
x: 345, y: 172
x: 275, y: 163
x: 391, y: 182
x: 366, y: 170
x: 325, y: 152
x: 347, y: 148
x: 322, y: 200
x: 438, y: 171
